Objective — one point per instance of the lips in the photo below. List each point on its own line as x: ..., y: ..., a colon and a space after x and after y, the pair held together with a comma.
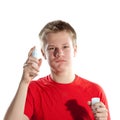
x: 60, y: 61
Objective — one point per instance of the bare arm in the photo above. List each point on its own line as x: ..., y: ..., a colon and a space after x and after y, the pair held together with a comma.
x: 16, y: 108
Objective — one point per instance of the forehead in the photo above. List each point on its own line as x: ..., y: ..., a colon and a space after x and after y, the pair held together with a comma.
x: 59, y: 37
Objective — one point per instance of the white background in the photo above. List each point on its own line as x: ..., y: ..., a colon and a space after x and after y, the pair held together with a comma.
x: 97, y: 23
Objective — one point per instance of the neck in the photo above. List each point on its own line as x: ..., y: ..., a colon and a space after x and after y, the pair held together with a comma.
x: 63, y: 77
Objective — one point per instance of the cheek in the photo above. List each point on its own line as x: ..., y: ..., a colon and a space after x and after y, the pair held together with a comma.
x: 70, y: 53
x: 49, y: 57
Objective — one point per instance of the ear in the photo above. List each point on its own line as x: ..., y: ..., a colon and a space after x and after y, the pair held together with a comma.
x: 43, y: 53
x: 75, y: 50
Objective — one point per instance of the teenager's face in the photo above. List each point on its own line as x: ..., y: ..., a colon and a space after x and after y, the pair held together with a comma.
x: 59, y: 51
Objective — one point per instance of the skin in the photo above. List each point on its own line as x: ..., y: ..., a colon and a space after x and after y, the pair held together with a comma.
x: 59, y: 52
x: 99, y: 110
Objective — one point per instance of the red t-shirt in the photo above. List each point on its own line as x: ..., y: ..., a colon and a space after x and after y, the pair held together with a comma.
x: 48, y: 100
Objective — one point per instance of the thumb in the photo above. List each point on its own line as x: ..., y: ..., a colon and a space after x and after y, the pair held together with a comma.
x: 89, y: 103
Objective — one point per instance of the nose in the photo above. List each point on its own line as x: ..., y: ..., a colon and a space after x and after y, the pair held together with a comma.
x: 58, y: 52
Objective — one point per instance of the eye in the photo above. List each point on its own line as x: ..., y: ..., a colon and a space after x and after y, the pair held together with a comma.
x: 51, y: 48
x: 65, y: 46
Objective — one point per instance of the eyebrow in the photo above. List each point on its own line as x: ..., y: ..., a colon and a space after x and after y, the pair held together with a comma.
x: 55, y: 45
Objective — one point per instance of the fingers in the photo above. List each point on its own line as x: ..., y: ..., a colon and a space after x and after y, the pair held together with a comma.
x: 32, y: 62
x: 99, y: 110
x: 31, y: 66
x: 31, y: 70
x: 101, y: 114
x: 30, y: 52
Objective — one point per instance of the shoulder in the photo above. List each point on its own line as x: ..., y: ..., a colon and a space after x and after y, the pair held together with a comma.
x: 41, y: 79
x: 92, y: 89
x: 39, y: 83
x: 88, y: 84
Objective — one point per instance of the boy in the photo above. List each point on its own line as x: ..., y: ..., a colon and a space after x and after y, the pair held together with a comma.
x: 61, y: 95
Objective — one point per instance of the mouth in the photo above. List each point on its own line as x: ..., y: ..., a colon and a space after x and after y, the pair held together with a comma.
x: 60, y: 61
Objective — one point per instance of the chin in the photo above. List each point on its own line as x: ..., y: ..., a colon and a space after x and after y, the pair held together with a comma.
x: 61, y: 69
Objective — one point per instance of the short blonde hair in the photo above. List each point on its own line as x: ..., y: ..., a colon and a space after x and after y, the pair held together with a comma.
x: 54, y: 27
